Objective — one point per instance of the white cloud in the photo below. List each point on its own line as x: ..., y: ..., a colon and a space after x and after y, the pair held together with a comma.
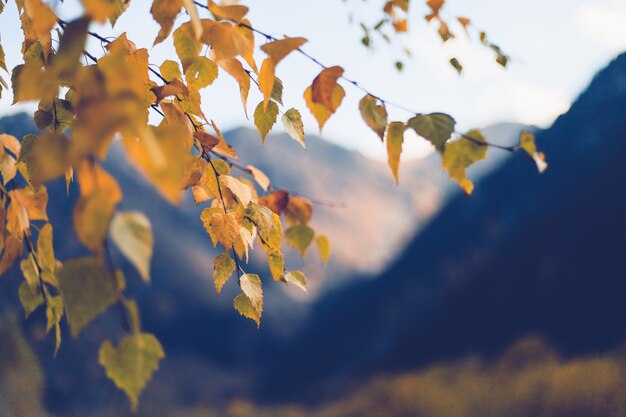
x: 604, y: 23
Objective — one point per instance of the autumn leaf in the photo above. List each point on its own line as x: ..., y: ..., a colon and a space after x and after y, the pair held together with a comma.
x: 277, y: 50
x: 131, y: 364
x: 259, y: 176
x: 276, y: 201
x: 276, y: 263
x: 323, y: 245
x: 435, y: 128
x: 299, y: 210
x: 374, y: 115
x: 223, y: 228
x: 223, y: 268
x: 300, y: 237
x: 225, y: 40
x: 165, y: 12
x: 201, y: 73
x: 296, y: 278
x: 238, y: 188
x: 87, y: 289
x: 235, y: 69
x: 462, y: 153
x: 251, y: 286
x: 395, y: 138
x: 321, y: 112
x: 244, y: 306
x: 264, y: 118
x: 292, y: 121
x: 187, y: 48
x: 323, y: 86
x: 131, y: 232
x: 527, y: 143
x: 43, y: 20
x: 94, y: 210
x: 233, y: 12
x: 29, y: 301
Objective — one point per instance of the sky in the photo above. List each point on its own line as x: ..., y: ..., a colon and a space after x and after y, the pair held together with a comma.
x: 557, y: 46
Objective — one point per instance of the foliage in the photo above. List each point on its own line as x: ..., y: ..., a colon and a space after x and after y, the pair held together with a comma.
x: 84, y: 107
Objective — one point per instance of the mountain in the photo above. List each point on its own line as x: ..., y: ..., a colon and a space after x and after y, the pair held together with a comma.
x: 526, y: 254
x: 180, y: 304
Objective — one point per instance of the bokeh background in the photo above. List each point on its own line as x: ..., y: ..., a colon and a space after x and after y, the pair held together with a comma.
x: 509, y: 303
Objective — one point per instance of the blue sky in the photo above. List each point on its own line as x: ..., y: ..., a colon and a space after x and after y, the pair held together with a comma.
x: 558, y: 45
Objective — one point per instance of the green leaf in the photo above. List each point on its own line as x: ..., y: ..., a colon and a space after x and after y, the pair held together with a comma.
x: 29, y: 301
x: 300, y: 237
x: 292, y: 121
x: 277, y: 91
x: 276, y: 262
x: 88, y: 289
x: 296, y: 278
x: 527, y: 143
x: 201, y: 73
x: 264, y: 119
x: 435, y: 128
x: 132, y: 233
x: 131, y: 363
x: 374, y: 115
x: 395, y: 138
x: 223, y: 268
x: 263, y: 218
x: 251, y: 286
x: 323, y: 245
x: 244, y: 306
x: 54, y: 313
x: 462, y: 153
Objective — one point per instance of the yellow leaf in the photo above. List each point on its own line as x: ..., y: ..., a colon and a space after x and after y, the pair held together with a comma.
x: 244, y: 306
x: 207, y: 187
x: 194, y: 170
x: 279, y: 49
x: 527, y: 143
x: 223, y: 268
x: 300, y: 237
x: 223, y: 147
x: 459, y: 155
x: 395, y: 138
x: 267, y: 79
x: 251, y: 286
x: 233, y: 67
x: 29, y: 301
x: 45, y: 250
x: 264, y: 118
x: 46, y: 156
x: 321, y: 112
x: 234, y: 12
x: 276, y: 262
x: 374, y: 115
x: 160, y: 155
x: 223, y: 228
x: 259, y: 176
x: 43, y: 20
x: 292, y: 121
x: 200, y: 73
x: 165, y: 12
x: 32, y: 202
x: 131, y: 364
x: 296, y: 278
x: 238, y: 188
x: 131, y: 232
x: 298, y: 211
x: 169, y: 70
x: 94, y: 210
x: 195, y: 19
x: 323, y: 245
x: 224, y: 39
x: 87, y: 289
x: 323, y: 87
x: 186, y: 45
x: 263, y: 218
x: 13, y: 249
x: 101, y: 10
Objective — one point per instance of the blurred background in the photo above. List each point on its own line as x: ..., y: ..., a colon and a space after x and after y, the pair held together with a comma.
x: 508, y: 303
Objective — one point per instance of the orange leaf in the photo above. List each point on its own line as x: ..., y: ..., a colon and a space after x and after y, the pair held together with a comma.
x: 324, y: 85
x: 279, y: 49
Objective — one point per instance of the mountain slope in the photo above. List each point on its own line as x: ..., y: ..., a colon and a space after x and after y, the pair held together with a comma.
x: 525, y: 254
